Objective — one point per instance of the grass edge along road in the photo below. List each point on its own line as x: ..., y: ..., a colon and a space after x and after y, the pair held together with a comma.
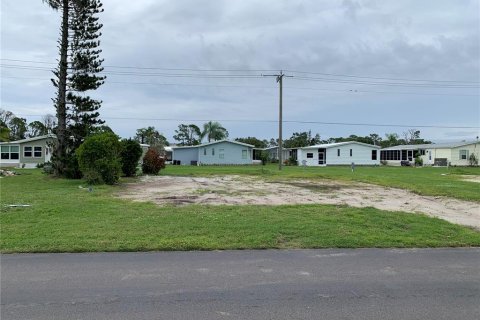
x: 65, y: 218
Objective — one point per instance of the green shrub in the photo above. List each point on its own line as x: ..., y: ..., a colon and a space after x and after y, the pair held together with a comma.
x: 99, y: 158
x: 130, y: 155
x: 418, y: 162
x: 264, y: 157
x: 472, y: 160
x: 152, y: 162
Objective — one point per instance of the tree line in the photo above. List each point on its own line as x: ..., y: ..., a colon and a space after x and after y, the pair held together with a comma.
x: 14, y: 128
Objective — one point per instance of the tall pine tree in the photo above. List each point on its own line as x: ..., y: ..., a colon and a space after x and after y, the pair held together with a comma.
x: 79, y: 64
x: 85, y: 65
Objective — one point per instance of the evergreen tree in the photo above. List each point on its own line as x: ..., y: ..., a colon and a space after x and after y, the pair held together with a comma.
x: 85, y: 64
x: 76, y: 73
x: 188, y: 135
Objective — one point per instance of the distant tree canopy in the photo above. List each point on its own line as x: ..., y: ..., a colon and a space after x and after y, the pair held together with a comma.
x: 214, y: 131
x: 301, y: 139
x: 253, y: 141
x: 188, y: 135
x: 14, y: 128
x: 152, y: 137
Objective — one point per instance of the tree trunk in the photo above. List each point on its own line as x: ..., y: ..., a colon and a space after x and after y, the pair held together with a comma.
x: 60, y: 151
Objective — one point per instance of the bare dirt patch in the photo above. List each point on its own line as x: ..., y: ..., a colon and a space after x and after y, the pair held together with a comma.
x: 241, y: 190
x: 471, y: 178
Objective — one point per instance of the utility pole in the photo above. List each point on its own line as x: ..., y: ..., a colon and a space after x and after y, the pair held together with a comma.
x: 280, y: 115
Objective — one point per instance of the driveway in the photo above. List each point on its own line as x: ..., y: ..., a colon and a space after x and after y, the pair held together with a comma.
x: 271, y: 284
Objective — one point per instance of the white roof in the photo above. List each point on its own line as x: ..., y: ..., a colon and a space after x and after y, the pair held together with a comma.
x: 215, y: 142
x: 430, y: 146
x: 47, y: 136
x: 337, y: 144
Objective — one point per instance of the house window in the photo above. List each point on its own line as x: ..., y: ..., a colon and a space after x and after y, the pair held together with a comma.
x: 374, y: 154
x: 244, y: 154
x: 463, y: 154
x: 10, y: 152
x: 338, y: 152
x: 213, y: 151
x: 204, y: 151
x: 309, y: 155
x: 351, y: 152
x: 221, y: 153
x: 422, y: 152
x: 390, y: 155
x: 27, y: 152
x: 37, y: 152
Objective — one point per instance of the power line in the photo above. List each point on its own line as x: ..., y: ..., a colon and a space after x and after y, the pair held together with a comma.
x: 378, y: 78
x: 263, y: 70
x: 264, y: 87
x: 288, y: 121
x: 399, y: 84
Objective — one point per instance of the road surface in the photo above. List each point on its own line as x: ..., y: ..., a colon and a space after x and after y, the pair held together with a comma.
x: 271, y: 284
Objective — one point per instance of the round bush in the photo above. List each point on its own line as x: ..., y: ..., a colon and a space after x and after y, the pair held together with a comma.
x: 99, y: 158
x: 152, y: 162
x: 130, y: 155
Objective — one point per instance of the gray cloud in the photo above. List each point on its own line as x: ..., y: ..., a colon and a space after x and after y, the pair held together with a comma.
x: 436, y: 40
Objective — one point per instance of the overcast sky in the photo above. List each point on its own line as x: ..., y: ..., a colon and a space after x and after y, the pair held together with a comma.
x: 352, y: 62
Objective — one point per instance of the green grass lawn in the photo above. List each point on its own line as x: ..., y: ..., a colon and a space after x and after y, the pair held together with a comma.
x: 423, y: 180
x: 65, y: 218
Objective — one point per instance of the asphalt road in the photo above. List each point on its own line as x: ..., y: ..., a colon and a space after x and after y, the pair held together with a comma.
x: 272, y: 284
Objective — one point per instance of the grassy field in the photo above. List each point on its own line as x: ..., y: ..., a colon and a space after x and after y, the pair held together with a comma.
x: 423, y: 180
x: 63, y: 217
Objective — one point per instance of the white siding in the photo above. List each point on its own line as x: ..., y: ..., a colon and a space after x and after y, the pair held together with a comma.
x: 453, y: 155
x: 361, y: 155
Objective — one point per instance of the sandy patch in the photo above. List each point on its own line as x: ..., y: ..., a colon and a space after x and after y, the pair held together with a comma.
x: 471, y: 178
x: 241, y: 190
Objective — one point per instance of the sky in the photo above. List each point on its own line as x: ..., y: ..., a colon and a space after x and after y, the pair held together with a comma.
x: 352, y: 67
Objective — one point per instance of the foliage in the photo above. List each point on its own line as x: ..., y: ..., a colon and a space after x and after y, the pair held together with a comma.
x: 78, y: 66
x: 151, y: 137
x: 264, y: 157
x: 302, y: 139
x: 253, y: 141
x: 71, y: 169
x: 213, y: 130
x: 152, y: 162
x: 99, y: 158
x: 130, y: 154
x: 188, y: 135
x: 418, y: 161
x: 18, y: 128
x: 36, y: 128
x: 292, y: 161
x: 473, y: 160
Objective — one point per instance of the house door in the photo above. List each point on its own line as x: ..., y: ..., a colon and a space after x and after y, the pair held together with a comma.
x: 321, y: 157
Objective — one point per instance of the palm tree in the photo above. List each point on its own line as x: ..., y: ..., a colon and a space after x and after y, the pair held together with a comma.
x: 214, y: 131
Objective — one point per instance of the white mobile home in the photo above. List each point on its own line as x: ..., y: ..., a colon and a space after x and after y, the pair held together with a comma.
x: 341, y: 153
x: 441, y: 154
x: 214, y: 153
x: 27, y: 153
